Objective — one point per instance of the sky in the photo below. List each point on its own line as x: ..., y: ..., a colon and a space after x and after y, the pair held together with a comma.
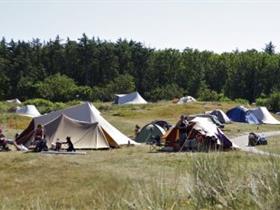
x: 215, y: 25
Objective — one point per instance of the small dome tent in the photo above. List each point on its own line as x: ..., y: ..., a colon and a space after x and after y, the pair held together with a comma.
x: 186, y: 99
x: 28, y: 110
x: 149, y: 132
x: 222, y: 117
x: 242, y: 114
x: 131, y: 98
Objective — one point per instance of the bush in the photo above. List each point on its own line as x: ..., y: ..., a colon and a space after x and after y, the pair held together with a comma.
x: 262, y: 101
x: 167, y: 92
x: 57, y: 88
x: 208, y: 95
x: 273, y: 102
x: 42, y: 105
x: 241, y: 101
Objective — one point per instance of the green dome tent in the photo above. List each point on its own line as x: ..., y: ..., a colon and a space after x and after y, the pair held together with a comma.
x: 149, y: 132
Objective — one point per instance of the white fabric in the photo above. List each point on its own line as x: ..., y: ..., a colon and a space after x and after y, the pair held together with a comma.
x: 14, y: 101
x: 264, y: 115
x: 131, y: 98
x: 87, y: 113
x: 205, y: 126
x: 28, y: 110
x: 83, y: 135
x: 186, y: 99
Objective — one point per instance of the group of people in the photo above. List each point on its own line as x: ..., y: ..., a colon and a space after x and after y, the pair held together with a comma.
x: 38, y: 144
x: 40, y: 141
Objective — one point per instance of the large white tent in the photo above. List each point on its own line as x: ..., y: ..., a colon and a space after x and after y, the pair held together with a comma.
x: 84, y: 135
x: 131, y: 98
x: 264, y: 116
x: 85, y: 112
x: 28, y: 110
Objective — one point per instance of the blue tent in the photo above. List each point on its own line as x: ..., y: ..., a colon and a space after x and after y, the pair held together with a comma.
x: 241, y: 114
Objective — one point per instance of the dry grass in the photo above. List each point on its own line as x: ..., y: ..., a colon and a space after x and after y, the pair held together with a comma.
x: 135, y: 178
x: 273, y: 145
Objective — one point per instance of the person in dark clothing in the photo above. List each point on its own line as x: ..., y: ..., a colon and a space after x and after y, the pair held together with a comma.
x: 3, y: 142
x: 41, y: 145
x: 182, y: 125
x: 70, y: 145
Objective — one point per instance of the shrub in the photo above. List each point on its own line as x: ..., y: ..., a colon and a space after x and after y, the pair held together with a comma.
x: 241, y: 101
x: 42, y: 105
x: 57, y: 88
x: 262, y: 101
x: 273, y: 102
x: 208, y: 95
x: 167, y: 92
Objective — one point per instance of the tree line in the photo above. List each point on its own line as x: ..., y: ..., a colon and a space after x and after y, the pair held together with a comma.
x: 94, y: 69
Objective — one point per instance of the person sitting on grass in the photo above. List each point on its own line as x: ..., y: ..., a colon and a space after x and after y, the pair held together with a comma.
x: 136, y: 130
x: 70, y: 144
x: 41, y: 145
x: 3, y: 141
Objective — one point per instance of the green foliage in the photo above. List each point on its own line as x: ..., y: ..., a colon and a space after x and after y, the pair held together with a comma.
x: 262, y: 101
x: 269, y: 48
x: 57, y: 88
x: 273, y: 102
x: 241, y: 101
x: 44, y: 105
x: 93, y: 69
x: 167, y: 92
x: 205, y: 94
x: 121, y: 84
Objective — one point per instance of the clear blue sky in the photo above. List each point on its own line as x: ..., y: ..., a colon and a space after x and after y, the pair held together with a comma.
x: 223, y: 25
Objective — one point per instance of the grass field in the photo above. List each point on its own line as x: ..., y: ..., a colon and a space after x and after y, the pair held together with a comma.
x: 135, y: 177
x: 273, y: 145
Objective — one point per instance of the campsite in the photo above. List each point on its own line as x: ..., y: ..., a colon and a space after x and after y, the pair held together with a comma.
x: 136, y: 176
x: 139, y: 105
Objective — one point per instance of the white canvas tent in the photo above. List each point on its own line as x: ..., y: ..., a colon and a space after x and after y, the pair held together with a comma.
x: 14, y: 101
x: 131, y: 98
x: 85, y: 112
x: 84, y: 135
x: 264, y: 116
x: 28, y: 110
x: 186, y: 99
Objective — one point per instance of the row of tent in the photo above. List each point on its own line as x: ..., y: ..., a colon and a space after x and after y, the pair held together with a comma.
x: 209, y: 124
x: 259, y: 115
x: 83, y: 123
x: 120, y: 99
x: 203, y: 125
